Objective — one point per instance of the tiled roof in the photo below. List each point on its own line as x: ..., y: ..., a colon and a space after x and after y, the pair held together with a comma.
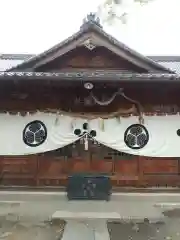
x: 171, y: 62
x: 7, y: 64
x: 8, y: 61
x: 175, y: 66
x: 95, y: 76
x: 16, y: 56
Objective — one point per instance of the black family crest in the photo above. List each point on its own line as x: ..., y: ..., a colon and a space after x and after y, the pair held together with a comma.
x: 136, y: 136
x: 34, y: 133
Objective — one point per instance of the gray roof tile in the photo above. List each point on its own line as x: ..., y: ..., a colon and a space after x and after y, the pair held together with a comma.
x: 8, y: 61
x: 7, y: 64
x: 171, y: 62
x: 16, y: 56
x: 175, y: 66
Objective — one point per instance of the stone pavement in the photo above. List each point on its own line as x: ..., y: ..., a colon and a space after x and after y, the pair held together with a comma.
x: 27, y: 216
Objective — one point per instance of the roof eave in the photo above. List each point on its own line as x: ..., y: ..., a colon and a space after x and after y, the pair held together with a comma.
x: 106, y: 77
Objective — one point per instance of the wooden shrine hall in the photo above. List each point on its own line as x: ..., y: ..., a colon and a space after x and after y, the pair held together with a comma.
x: 90, y: 106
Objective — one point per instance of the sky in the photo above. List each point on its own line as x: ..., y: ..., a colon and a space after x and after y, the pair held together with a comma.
x: 33, y: 26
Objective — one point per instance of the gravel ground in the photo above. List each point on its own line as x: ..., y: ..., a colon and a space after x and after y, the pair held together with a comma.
x: 143, y: 231
x: 17, y: 230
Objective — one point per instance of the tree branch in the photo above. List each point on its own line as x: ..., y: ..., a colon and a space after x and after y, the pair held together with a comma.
x: 111, y: 10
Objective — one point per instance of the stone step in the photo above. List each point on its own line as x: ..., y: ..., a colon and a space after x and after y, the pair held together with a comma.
x: 85, y: 215
x: 116, y: 210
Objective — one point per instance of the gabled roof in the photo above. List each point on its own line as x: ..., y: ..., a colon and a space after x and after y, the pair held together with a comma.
x: 92, y: 31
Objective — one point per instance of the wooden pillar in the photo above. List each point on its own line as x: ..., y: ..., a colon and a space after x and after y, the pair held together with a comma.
x: 141, y: 182
x: 1, y: 170
x: 37, y: 168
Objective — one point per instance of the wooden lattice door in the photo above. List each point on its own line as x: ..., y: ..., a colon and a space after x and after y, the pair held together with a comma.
x: 18, y: 170
x: 101, y: 160
x: 122, y: 168
x: 55, y: 167
x: 79, y: 161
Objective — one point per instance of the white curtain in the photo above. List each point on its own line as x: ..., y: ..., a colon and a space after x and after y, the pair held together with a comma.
x: 59, y: 133
x: 163, y: 139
